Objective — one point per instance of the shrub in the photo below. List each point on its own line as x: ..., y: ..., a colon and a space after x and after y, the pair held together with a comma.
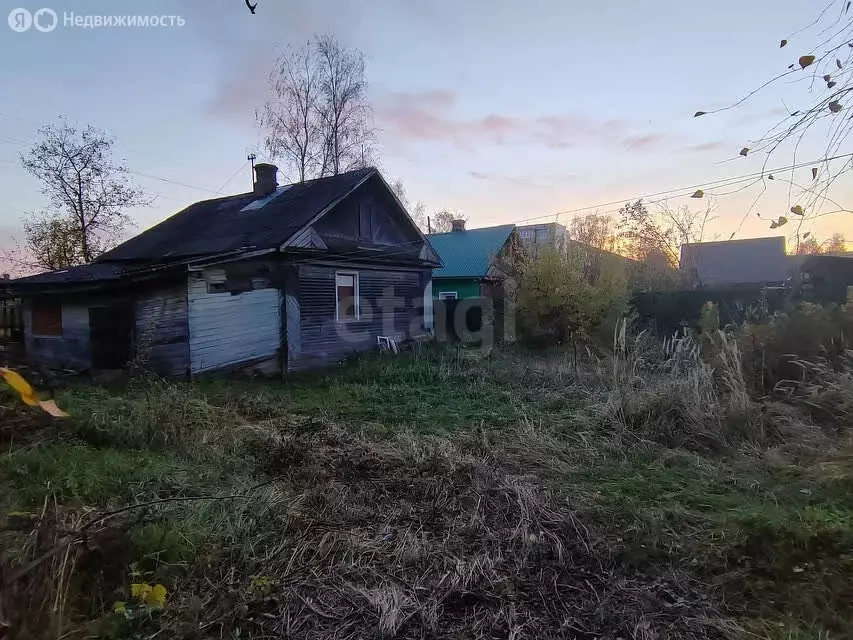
x: 779, y: 349
x: 564, y: 298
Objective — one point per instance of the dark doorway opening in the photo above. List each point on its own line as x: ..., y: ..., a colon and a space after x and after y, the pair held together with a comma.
x: 111, y: 335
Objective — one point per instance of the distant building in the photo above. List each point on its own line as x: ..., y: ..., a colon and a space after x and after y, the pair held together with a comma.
x: 753, y: 261
x: 535, y: 237
x: 821, y: 278
x: 470, y: 258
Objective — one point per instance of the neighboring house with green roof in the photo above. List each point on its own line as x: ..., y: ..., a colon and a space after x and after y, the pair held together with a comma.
x: 471, y: 261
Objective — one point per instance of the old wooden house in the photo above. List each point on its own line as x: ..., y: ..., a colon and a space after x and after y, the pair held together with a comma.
x: 282, y: 278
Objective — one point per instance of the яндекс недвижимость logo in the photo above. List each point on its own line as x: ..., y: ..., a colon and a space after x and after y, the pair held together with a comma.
x: 44, y: 20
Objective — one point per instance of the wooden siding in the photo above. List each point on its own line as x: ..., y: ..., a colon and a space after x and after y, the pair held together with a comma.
x: 372, y: 225
x: 462, y: 287
x: 324, y: 341
x: 162, y: 333
x: 229, y: 328
x: 160, y: 330
x: 292, y: 313
x: 370, y: 217
x: 70, y: 350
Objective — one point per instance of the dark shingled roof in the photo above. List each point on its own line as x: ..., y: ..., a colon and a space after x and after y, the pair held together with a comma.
x: 749, y: 261
x: 219, y: 226
x: 93, y: 272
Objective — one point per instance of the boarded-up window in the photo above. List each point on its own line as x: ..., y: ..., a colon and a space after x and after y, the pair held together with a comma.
x: 346, y: 296
x: 47, y: 318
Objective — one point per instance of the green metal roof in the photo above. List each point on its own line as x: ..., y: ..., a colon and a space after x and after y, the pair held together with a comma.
x: 469, y: 253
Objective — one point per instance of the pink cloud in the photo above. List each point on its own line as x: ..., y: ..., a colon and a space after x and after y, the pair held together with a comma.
x: 427, y: 117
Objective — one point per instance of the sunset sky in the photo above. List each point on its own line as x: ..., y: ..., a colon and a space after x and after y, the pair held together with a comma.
x: 504, y: 110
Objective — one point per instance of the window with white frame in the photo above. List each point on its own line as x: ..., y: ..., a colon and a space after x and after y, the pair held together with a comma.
x: 526, y: 234
x: 447, y: 295
x: 542, y: 235
x: 346, y: 296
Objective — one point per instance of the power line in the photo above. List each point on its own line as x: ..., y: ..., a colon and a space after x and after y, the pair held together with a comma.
x: 24, y: 141
x: 674, y: 192
x: 175, y: 182
x: 724, y: 182
x: 236, y: 173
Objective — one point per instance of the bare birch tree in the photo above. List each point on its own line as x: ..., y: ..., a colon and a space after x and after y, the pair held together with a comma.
x: 89, y: 191
x: 345, y: 112
x: 291, y: 116
x: 442, y: 220
x: 417, y: 211
x: 318, y: 120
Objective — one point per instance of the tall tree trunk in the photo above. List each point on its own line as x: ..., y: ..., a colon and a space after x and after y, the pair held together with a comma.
x: 84, y: 231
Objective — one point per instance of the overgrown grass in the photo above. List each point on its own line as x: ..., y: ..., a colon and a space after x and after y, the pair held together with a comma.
x: 439, y: 392
x: 436, y: 495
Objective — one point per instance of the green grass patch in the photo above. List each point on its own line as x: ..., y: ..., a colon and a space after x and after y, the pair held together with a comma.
x: 104, y: 477
x: 774, y: 538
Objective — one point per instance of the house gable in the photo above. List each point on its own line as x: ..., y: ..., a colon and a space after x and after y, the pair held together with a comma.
x: 369, y: 222
x: 308, y: 238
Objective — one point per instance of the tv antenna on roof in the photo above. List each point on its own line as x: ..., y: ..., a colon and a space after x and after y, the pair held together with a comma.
x: 251, y: 158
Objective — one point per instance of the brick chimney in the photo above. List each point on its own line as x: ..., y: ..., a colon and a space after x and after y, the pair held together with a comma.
x: 457, y: 225
x: 265, y: 179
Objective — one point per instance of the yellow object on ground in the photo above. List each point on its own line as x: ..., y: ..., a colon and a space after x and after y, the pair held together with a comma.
x: 50, y: 407
x: 28, y: 395
x: 153, y: 596
x: 20, y: 385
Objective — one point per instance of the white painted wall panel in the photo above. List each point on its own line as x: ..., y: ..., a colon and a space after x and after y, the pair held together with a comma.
x: 228, y: 329
x: 429, y: 322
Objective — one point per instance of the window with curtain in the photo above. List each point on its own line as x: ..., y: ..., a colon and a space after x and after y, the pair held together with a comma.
x: 346, y: 294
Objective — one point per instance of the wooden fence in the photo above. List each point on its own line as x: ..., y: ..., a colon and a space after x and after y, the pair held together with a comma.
x: 11, y: 320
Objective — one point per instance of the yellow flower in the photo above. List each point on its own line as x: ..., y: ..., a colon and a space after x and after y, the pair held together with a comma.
x: 156, y: 597
x: 140, y: 590
x: 119, y: 607
x: 259, y: 582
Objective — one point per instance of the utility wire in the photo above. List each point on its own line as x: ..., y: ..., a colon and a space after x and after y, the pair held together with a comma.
x: 724, y: 182
x: 673, y: 192
x: 21, y: 142
x: 236, y: 173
